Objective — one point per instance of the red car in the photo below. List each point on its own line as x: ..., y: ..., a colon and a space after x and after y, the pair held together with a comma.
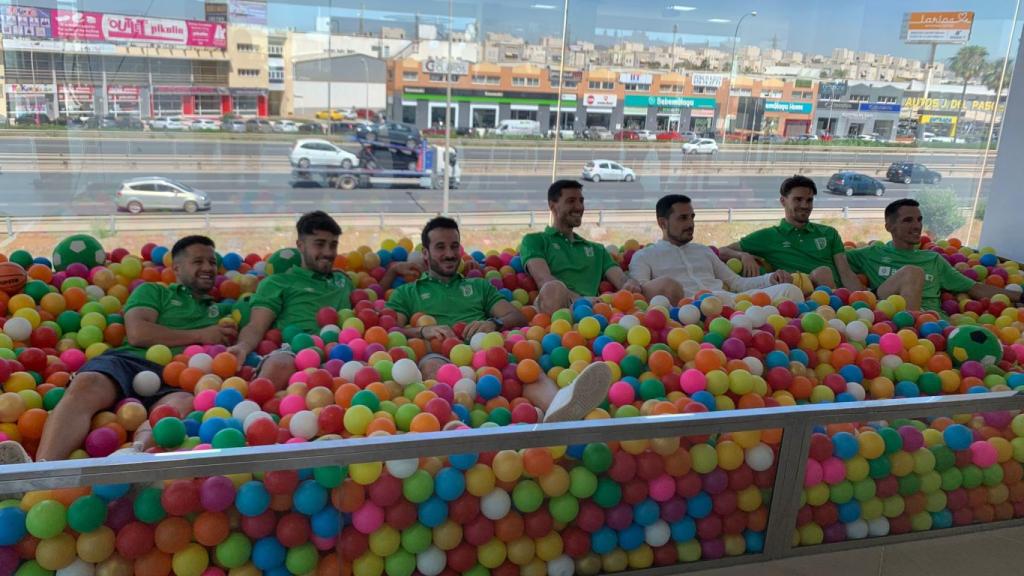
x: 629, y: 135
x: 670, y: 137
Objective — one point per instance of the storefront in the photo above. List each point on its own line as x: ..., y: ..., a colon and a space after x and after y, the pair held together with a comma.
x: 674, y: 113
x: 787, y: 118
x: 853, y: 119
x: 29, y: 99
x: 597, y: 110
x: 75, y: 100
x: 124, y: 101
x: 479, y: 110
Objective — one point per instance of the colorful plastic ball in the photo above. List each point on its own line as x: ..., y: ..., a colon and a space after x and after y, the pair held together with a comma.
x: 146, y: 383
x: 101, y: 442
x: 957, y: 437
x: 46, y: 519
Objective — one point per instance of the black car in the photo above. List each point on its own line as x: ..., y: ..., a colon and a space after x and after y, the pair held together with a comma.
x: 910, y: 172
x: 347, y: 127
x: 392, y: 132
x: 850, y: 183
x: 32, y: 119
x: 311, y: 128
x: 257, y: 125
x: 102, y: 122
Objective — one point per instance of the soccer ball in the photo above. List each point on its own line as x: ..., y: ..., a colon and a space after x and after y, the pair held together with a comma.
x: 80, y: 248
x: 282, y: 260
x: 974, y: 343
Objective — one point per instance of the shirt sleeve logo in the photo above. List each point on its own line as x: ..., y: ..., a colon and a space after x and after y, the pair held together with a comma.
x: 467, y: 290
x: 884, y: 271
x: 821, y: 243
x: 213, y: 311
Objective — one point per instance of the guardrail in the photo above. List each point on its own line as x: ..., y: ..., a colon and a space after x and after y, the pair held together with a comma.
x: 123, y: 222
x: 796, y: 423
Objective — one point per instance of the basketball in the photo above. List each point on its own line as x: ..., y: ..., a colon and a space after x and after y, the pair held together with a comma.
x: 12, y: 277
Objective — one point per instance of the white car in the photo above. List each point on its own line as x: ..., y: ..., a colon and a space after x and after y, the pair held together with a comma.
x: 647, y: 135
x: 597, y: 170
x: 159, y: 193
x: 700, y: 146
x: 205, y: 124
x: 286, y: 126
x: 168, y: 123
x: 315, y: 152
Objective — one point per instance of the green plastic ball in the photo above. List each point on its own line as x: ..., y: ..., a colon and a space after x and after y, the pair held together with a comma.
x: 169, y: 432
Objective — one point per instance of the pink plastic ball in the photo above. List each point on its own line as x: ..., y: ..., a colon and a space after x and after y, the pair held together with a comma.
x: 443, y: 391
x: 662, y: 488
x: 295, y: 441
x: 890, y: 344
x: 205, y: 400
x: 368, y: 518
x: 693, y: 380
x: 298, y: 377
x: 192, y: 350
x: 101, y: 442
x: 621, y: 393
x: 814, y: 473
x: 213, y: 571
x: 201, y: 447
x: 292, y: 404
x: 308, y: 358
x: 449, y: 374
x: 323, y: 544
x: 73, y: 359
x: 613, y: 352
x: 217, y: 493
x: 983, y: 454
x: 347, y: 335
x: 479, y: 359
x: 833, y: 470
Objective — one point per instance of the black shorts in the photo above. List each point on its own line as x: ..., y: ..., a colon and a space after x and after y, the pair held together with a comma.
x: 122, y: 367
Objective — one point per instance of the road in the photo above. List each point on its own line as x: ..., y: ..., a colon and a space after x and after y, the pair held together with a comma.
x: 510, y: 179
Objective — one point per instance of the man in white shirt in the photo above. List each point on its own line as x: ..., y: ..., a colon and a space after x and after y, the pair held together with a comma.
x: 696, y: 266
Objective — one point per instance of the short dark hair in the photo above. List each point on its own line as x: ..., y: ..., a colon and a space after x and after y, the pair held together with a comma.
x: 555, y: 190
x: 439, y: 222
x: 894, y: 207
x: 797, y: 181
x: 664, y: 206
x: 183, y: 244
x: 317, y: 221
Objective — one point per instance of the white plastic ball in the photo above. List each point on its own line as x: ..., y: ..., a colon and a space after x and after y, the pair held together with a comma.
x: 760, y: 457
x: 891, y: 361
x: 477, y: 342
x: 468, y: 372
x: 18, y: 329
x: 754, y: 365
x: 561, y: 566
x: 866, y: 315
x: 857, y: 331
x: 94, y: 292
x: 660, y: 300
x: 146, y: 383
x: 770, y: 310
x: 466, y: 386
x: 303, y: 424
x: 657, y: 534
x: 77, y: 568
x: 406, y: 372
x: 260, y: 267
x: 856, y: 390
x: 838, y: 324
x: 259, y: 414
x: 857, y: 529
x: 330, y: 328
x: 1013, y: 288
x: 756, y: 315
x: 402, y: 469
x: 431, y: 561
x: 349, y: 369
x: 878, y: 527
x: 495, y: 504
x: 201, y: 361
x: 243, y: 409
x: 742, y: 321
x: 689, y: 314
x: 628, y: 321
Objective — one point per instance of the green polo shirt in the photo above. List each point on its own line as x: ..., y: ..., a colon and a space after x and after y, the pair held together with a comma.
x: 176, y: 308
x: 786, y: 247
x: 460, y: 300
x: 579, y: 263
x: 295, y: 296
x: 880, y: 261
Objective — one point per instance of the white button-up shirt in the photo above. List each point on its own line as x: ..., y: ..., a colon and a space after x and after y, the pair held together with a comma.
x: 693, y: 265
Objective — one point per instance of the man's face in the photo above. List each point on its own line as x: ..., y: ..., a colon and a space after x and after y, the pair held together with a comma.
x: 443, y: 252
x: 906, y: 226
x: 798, y: 205
x: 678, y: 227
x: 568, y: 210
x: 319, y: 250
x: 196, y: 268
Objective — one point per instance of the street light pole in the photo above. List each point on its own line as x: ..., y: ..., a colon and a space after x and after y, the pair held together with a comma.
x: 447, y: 117
x: 732, y: 69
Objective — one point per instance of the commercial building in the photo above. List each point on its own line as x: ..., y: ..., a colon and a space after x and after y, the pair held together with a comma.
x: 351, y: 81
x: 947, y: 109
x: 855, y: 108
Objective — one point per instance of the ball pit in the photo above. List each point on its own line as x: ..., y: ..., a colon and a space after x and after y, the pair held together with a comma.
x: 560, y: 510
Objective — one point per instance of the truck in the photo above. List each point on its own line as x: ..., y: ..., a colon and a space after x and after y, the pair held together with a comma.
x: 383, y: 163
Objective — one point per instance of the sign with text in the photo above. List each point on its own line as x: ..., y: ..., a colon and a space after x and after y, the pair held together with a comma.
x: 707, y: 80
x: 937, y: 27
x: 97, y: 27
x: 62, y: 46
x: 248, y: 12
x: 628, y: 78
x: 446, y: 66
x: 29, y: 88
x: 787, y: 107
x: 600, y: 100
x: 950, y: 104
x: 24, y: 21
x: 879, y: 107
x: 671, y: 102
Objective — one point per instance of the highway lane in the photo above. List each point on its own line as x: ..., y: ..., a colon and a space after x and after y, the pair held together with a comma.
x: 29, y: 194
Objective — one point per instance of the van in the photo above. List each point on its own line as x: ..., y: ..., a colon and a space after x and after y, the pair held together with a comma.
x: 518, y: 128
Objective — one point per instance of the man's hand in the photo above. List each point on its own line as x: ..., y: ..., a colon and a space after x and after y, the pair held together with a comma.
x: 219, y: 334
x: 750, y: 266
x: 432, y: 332
x: 633, y: 286
x: 481, y: 326
x: 406, y: 268
x: 781, y: 277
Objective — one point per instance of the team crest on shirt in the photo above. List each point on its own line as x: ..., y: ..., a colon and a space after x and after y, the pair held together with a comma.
x: 884, y: 271
x: 213, y: 311
x: 787, y: 244
x: 467, y: 290
x: 589, y: 251
x: 821, y: 243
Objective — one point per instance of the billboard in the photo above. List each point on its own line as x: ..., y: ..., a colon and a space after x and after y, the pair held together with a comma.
x: 248, y: 12
x: 937, y: 27
x: 97, y: 27
x: 25, y: 22
x: 706, y: 80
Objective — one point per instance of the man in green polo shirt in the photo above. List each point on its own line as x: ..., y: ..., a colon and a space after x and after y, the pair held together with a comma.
x: 567, y: 267
x: 797, y: 244
x: 463, y: 307
x: 919, y: 276
x: 178, y: 315
x: 293, y: 297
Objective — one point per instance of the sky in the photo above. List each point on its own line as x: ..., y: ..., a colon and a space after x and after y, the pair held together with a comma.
x: 810, y: 26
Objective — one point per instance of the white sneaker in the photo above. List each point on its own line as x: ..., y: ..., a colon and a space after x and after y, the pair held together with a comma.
x: 582, y: 395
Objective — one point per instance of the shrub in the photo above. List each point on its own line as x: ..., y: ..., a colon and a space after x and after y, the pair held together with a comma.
x: 940, y: 207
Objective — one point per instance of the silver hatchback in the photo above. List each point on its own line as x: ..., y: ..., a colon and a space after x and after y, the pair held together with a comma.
x: 158, y: 193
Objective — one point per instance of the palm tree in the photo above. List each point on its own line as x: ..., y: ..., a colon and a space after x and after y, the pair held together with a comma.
x: 995, y: 73
x: 970, y: 63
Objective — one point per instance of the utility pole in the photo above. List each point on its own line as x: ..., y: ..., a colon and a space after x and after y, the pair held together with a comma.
x: 675, y: 30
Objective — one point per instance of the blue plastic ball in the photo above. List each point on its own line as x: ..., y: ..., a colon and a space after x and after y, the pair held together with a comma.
x: 449, y: 484
x: 327, y: 522
x: 684, y: 529
x: 604, y: 540
x: 958, y: 437
x: 268, y: 553
x: 433, y: 512
x: 488, y: 387
x: 12, y: 526
x: 631, y: 538
x: 309, y: 498
x: 646, y: 512
x: 252, y: 499
x: 845, y: 445
x: 228, y: 398
x: 699, y: 506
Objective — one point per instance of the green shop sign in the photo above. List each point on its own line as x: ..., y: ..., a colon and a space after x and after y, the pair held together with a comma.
x: 670, y: 102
